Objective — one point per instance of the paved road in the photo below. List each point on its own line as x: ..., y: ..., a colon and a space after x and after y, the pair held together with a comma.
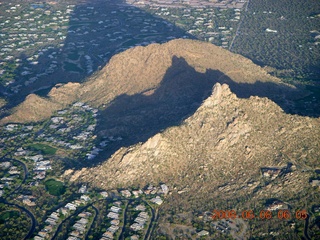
x: 94, y: 219
x: 124, y: 220
x: 152, y: 221
x: 25, y: 175
x: 238, y: 28
x: 306, y: 225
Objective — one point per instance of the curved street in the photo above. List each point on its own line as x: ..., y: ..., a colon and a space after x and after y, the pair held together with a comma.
x: 25, y: 175
x: 124, y: 220
x: 306, y: 225
x: 152, y: 221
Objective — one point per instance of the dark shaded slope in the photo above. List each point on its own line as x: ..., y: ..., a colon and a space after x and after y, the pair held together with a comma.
x: 136, y: 118
x: 98, y: 29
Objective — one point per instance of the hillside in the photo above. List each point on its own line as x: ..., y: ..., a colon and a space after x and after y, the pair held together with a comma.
x: 141, y: 69
x: 215, y: 160
x: 227, y: 139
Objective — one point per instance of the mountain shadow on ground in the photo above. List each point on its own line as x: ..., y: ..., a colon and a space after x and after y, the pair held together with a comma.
x: 96, y: 31
x: 136, y: 118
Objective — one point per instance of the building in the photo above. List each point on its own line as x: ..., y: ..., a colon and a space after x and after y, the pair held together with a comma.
x: 83, y: 189
x: 157, y: 200
x: 85, y: 198
x: 165, y: 189
x: 137, y: 193
x: 38, y: 238
x: 203, y: 233
x: 277, y: 205
x: 113, y: 215
x: 104, y: 194
x: 143, y: 215
x: 83, y: 221
x: 115, y: 209
x: 140, y: 208
x: 113, y: 228
x: 108, y: 235
x: 70, y: 206
x: 140, y: 220
x: 136, y: 227
x: 315, y: 183
x: 126, y: 193
x: 115, y: 222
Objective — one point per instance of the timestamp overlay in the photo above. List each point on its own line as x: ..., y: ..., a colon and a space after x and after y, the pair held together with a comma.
x: 283, y: 214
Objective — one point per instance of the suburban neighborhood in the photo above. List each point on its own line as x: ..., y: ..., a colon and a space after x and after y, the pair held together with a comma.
x: 44, y: 41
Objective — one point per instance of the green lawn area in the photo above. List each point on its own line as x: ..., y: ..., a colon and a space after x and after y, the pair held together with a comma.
x: 55, y: 187
x: 43, y: 148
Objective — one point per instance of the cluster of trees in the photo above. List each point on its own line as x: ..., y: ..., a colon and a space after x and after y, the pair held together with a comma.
x: 14, y: 224
x: 292, y: 46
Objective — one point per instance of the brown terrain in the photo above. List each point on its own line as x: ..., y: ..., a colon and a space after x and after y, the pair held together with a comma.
x: 197, y: 117
x: 142, y: 69
x: 226, y: 141
x: 213, y: 160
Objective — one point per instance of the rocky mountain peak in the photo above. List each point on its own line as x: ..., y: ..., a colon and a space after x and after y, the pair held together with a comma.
x: 218, y: 93
x: 187, y: 65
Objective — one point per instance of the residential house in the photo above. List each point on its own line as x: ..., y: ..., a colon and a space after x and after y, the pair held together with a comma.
x: 137, y: 193
x: 104, y: 194
x: 115, y: 209
x: 136, y: 227
x: 315, y: 183
x: 277, y: 205
x: 165, y: 189
x: 157, y: 200
x: 85, y: 198
x: 38, y: 238
x: 115, y: 222
x: 43, y: 234
x: 203, y: 233
x: 140, y: 208
x: 51, y: 221
x: 113, y: 215
x: 113, y: 228
x: 143, y: 215
x: 80, y: 227
x: 83, y: 221
x: 70, y: 206
x: 140, y: 220
x: 108, y: 235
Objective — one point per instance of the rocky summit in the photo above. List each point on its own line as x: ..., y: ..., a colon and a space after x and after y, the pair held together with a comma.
x: 231, y: 153
x: 228, y: 140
